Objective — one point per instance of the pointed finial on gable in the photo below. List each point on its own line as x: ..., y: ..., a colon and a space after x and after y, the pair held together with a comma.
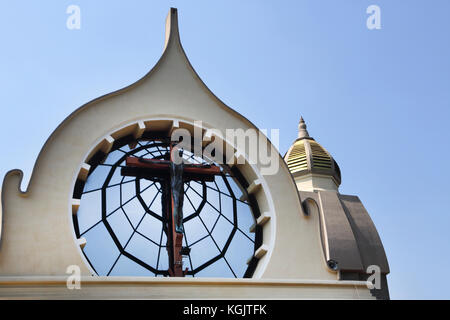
x: 171, y: 27
x: 302, y: 132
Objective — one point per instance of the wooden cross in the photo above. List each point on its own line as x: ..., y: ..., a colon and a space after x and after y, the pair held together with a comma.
x: 172, y: 177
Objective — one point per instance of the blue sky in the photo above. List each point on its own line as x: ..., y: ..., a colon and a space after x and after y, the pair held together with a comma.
x: 378, y: 100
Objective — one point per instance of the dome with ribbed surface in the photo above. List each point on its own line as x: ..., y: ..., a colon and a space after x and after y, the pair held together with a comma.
x: 307, y: 156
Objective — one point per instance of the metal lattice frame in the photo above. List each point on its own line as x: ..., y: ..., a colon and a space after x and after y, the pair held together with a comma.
x: 152, y: 147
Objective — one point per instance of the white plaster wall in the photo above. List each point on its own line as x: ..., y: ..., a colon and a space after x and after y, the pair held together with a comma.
x: 313, y: 182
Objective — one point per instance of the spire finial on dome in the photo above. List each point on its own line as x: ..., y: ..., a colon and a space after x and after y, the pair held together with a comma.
x: 302, y: 132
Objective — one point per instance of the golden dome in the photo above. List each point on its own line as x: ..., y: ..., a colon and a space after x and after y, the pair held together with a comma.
x: 307, y: 156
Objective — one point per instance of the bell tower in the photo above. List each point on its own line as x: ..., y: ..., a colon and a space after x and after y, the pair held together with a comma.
x: 350, y: 243
x: 311, y: 164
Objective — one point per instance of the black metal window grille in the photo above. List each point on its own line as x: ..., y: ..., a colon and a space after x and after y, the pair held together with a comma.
x: 122, y: 221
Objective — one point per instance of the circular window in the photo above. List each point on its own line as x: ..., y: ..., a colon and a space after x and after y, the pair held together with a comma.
x: 125, y: 216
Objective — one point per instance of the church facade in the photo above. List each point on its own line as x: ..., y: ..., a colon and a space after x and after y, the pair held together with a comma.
x: 107, y: 213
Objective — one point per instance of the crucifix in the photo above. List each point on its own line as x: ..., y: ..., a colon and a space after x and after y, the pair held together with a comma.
x: 171, y: 176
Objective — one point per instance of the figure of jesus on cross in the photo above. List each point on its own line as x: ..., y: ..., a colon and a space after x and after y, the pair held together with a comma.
x: 171, y: 175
